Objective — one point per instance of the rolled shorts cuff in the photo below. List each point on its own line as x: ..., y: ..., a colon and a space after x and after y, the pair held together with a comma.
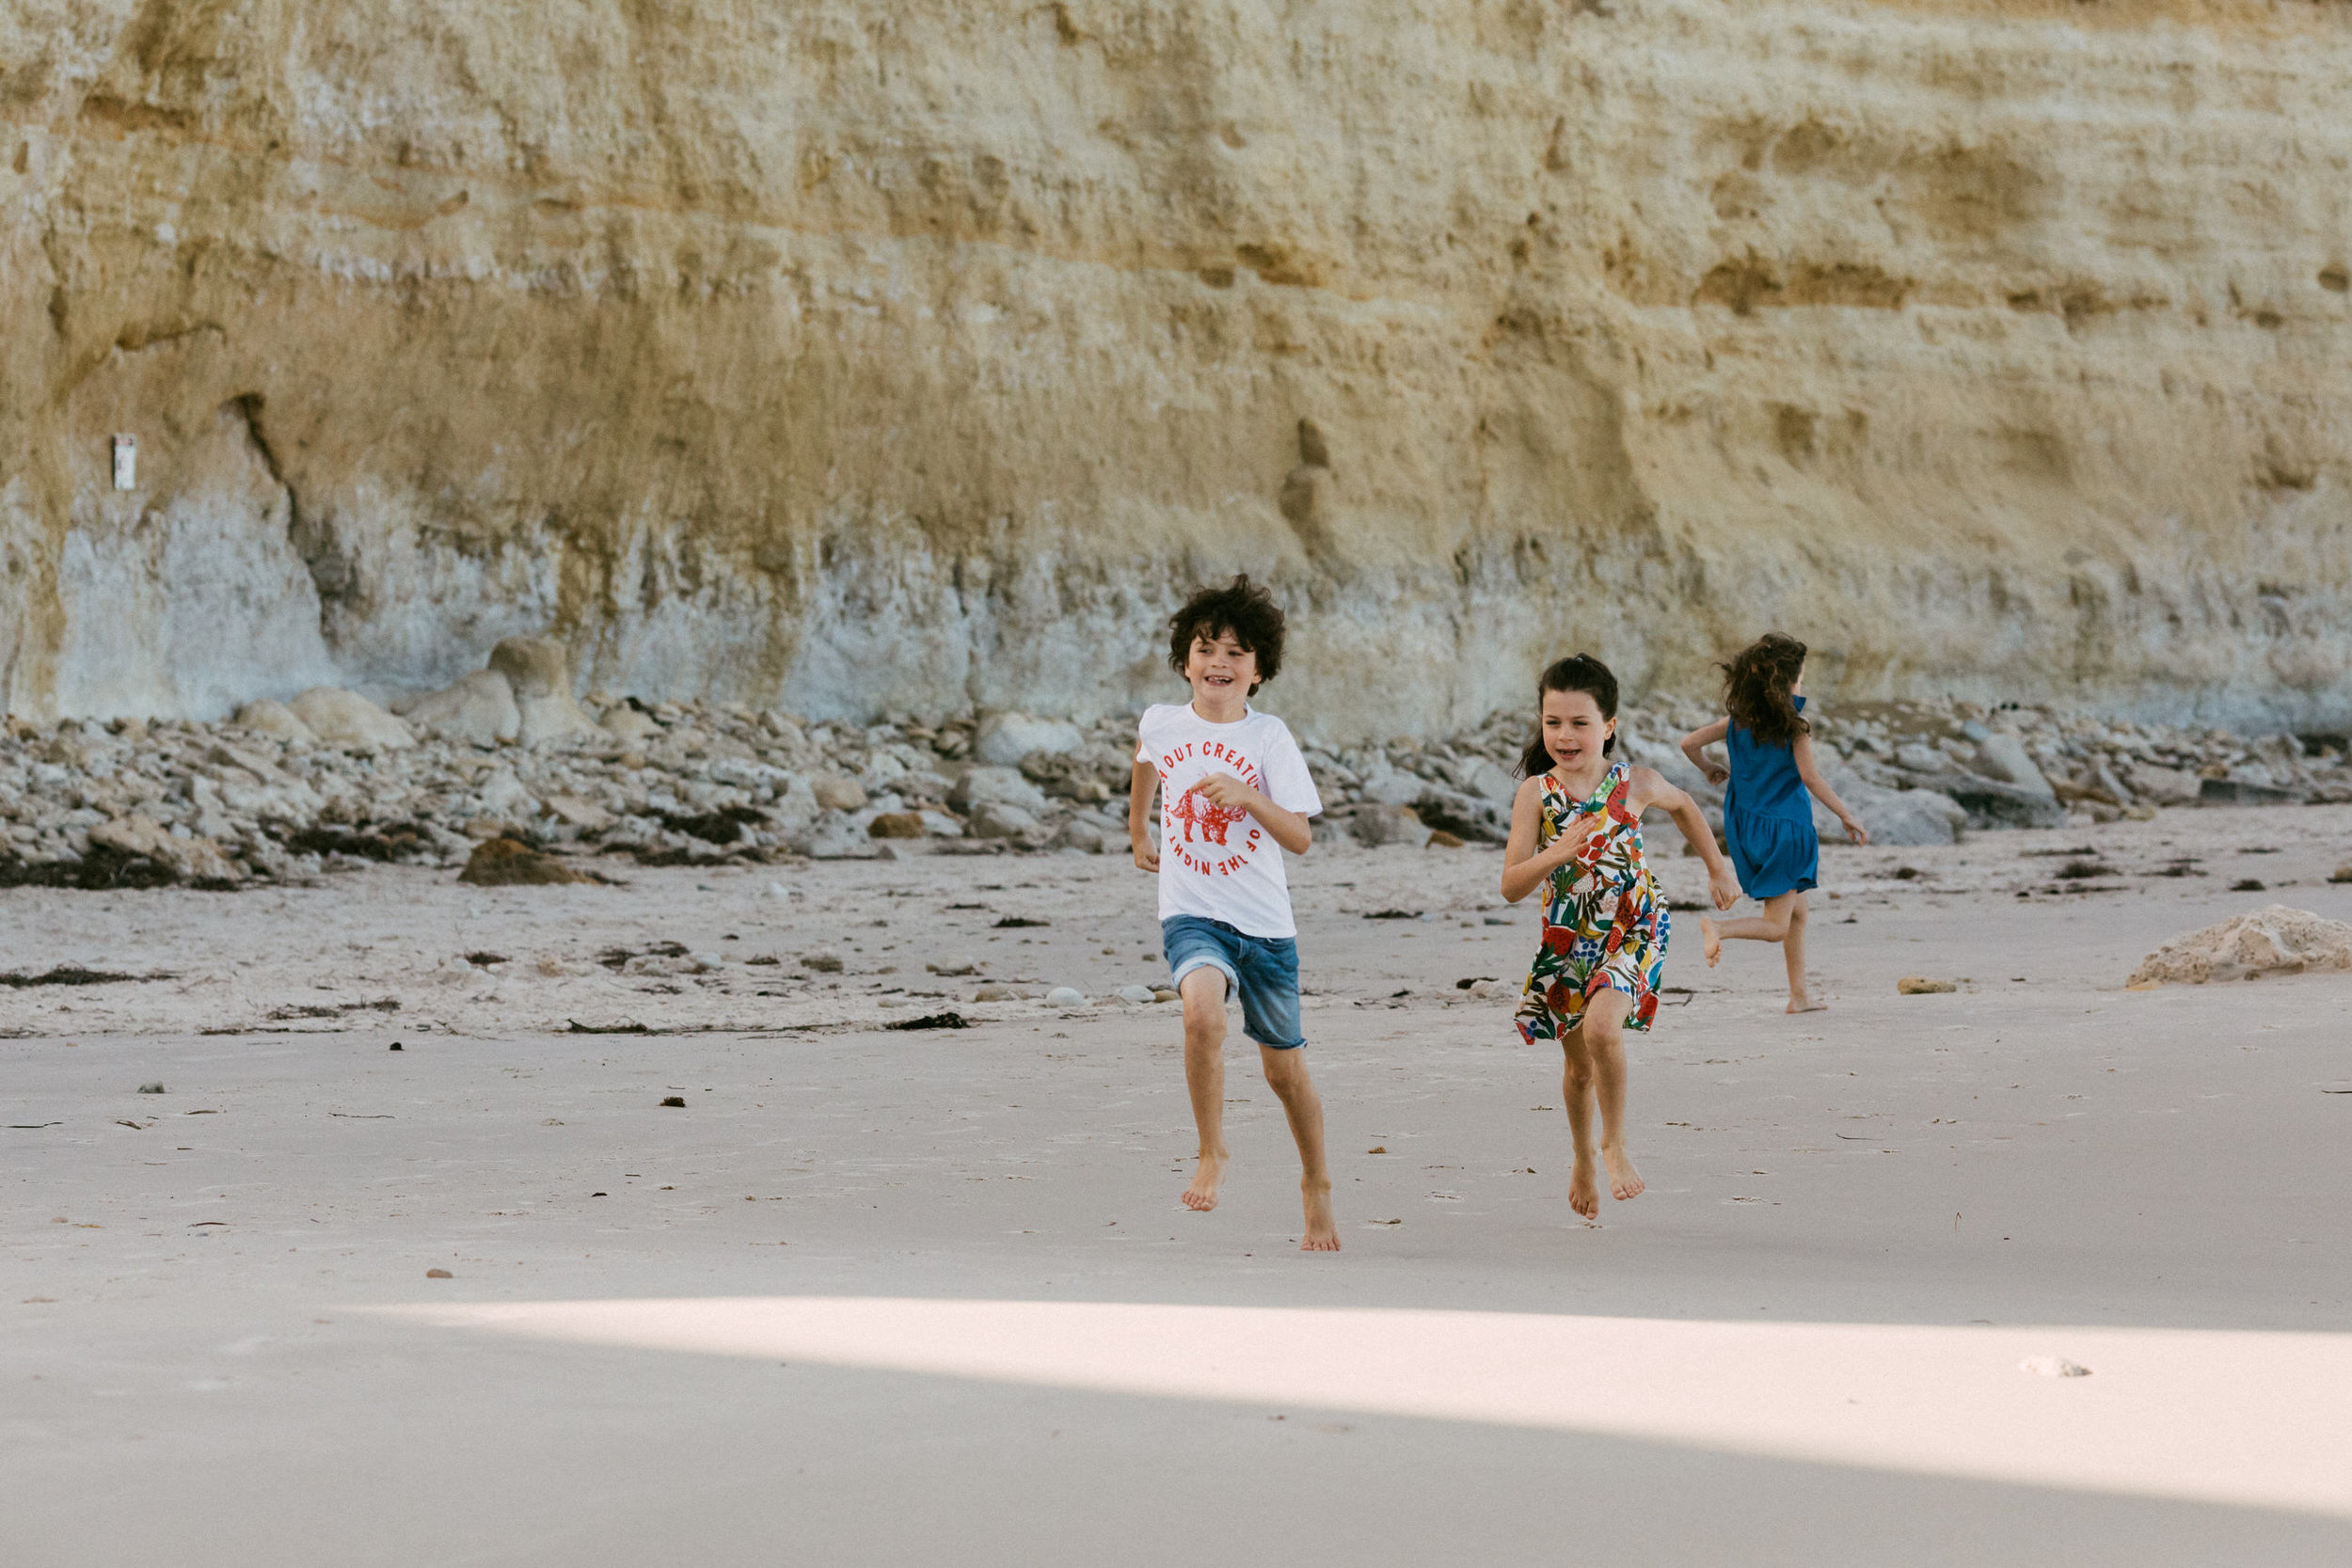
x: 1207, y: 960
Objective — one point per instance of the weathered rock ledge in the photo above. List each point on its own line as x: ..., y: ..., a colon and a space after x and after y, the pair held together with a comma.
x: 136, y: 803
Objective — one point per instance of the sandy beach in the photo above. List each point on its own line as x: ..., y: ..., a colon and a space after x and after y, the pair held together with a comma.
x: 1803, y: 1344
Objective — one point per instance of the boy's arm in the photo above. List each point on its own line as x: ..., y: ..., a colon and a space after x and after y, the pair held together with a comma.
x: 1651, y: 789
x: 1288, y: 829
x: 1694, y: 746
x: 1811, y: 774
x: 1141, y: 786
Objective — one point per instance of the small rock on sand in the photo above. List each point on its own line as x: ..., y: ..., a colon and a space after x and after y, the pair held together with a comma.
x: 1140, y: 995
x: 2053, y: 1366
x: 439, y: 1273
x: 1919, y: 984
x: 504, y: 862
x: 2273, y: 940
x: 1065, y: 996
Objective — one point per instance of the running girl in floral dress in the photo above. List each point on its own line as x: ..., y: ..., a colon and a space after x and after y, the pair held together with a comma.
x: 1576, y: 832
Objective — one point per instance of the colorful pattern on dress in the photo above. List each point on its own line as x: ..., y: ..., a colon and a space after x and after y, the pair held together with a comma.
x: 1605, y: 923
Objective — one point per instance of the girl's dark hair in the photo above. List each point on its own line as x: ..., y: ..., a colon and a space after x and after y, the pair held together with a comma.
x: 1757, y: 686
x: 1241, y: 607
x: 1580, y: 673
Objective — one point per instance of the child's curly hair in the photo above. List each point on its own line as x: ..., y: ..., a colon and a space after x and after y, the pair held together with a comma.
x: 1756, y: 686
x: 1240, y: 608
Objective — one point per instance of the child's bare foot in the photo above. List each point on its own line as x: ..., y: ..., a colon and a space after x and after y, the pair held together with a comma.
x: 1322, y: 1233
x: 1624, y: 1180
x: 1804, y: 1003
x: 1202, y: 1195
x: 1711, y: 940
x: 1584, y: 1193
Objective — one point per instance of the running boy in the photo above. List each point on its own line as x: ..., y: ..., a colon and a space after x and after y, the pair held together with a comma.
x: 1237, y: 795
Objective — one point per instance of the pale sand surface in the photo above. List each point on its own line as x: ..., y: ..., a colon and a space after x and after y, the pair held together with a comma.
x: 1799, y: 1346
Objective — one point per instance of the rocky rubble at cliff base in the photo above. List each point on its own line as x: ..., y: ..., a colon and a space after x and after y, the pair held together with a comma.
x: 286, y: 791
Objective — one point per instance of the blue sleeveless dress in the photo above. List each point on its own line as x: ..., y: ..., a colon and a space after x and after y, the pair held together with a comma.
x: 1768, y: 819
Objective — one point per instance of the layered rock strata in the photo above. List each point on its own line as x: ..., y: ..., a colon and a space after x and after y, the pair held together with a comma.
x: 866, y: 358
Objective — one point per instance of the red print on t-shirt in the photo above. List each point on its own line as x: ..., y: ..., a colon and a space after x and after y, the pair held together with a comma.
x: 1196, y: 809
x: 1205, y: 822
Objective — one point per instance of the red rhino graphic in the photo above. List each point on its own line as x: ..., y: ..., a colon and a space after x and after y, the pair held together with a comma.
x: 1196, y: 809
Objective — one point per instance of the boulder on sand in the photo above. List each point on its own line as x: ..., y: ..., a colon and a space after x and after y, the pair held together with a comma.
x: 346, y: 718
x: 2003, y: 756
x: 523, y: 696
x: 479, y: 709
x: 539, y: 669
x: 273, y: 719
x: 1896, y: 818
x: 1005, y: 738
x: 2277, y: 940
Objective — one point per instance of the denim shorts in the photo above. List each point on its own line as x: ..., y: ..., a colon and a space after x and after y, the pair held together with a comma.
x: 1264, y: 970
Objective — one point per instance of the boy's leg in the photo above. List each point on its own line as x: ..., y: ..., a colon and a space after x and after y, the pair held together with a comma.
x: 1771, y: 926
x: 1204, y: 994
x: 1286, y: 1075
x: 1604, y: 1037
x: 1799, y: 1000
x: 1576, y: 1093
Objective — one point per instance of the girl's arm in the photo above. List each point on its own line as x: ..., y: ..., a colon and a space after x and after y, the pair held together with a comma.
x: 1141, y: 786
x: 1694, y: 747
x: 1650, y: 789
x: 1524, y: 869
x: 1821, y: 791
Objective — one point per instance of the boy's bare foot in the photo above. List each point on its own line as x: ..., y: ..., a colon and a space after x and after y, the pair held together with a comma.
x: 1322, y: 1233
x: 1202, y: 1195
x: 1711, y: 940
x: 1624, y: 1180
x: 1584, y: 1193
x: 1806, y: 1005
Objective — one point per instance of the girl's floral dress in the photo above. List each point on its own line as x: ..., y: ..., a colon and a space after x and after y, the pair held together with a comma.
x: 1605, y: 922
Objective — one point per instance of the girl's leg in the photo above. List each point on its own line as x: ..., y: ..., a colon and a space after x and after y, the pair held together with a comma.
x: 1204, y: 994
x: 1771, y: 926
x: 1576, y: 1093
x: 1604, y: 1037
x: 1800, y: 1000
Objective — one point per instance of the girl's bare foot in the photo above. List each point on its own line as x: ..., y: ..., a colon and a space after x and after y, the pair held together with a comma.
x: 1624, y: 1180
x: 1711, y: 940
x: 1801, y: 1004
x: 1322, y: 1233
x: 1584, y: 1193
x: 1202, y: 1195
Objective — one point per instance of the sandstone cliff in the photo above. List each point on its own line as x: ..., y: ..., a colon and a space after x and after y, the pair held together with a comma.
x: 864, y: 356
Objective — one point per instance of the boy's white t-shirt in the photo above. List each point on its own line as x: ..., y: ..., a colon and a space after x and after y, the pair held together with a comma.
x: 1219, y: 861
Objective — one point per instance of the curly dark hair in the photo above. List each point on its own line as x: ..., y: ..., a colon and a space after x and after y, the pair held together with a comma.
x: 1576, y: 673
x: 1241, y: 609
x: 1756, y: 686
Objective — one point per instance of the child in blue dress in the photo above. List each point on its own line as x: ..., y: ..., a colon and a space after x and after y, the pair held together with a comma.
x: 1768, y: 821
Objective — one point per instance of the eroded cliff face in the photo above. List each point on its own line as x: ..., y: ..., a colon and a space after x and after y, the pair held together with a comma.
x: 915, y: 357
